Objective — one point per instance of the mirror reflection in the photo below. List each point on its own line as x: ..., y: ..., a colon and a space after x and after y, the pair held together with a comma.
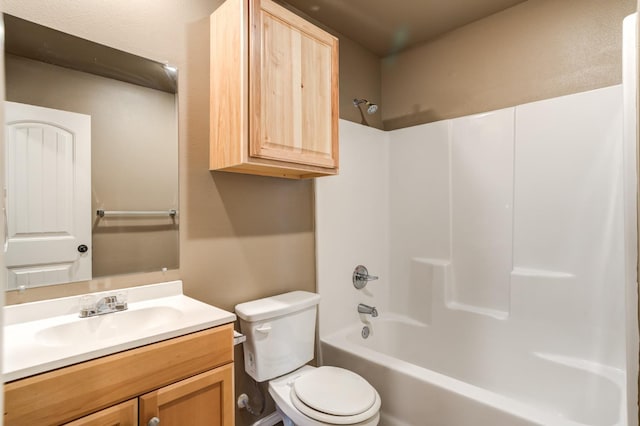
x: 91, y: 158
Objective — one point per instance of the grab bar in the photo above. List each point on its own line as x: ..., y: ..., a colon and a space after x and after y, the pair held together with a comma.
x: 103, y: 213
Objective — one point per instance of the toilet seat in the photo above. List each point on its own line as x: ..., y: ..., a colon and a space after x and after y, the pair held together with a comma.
x: 334, y: 395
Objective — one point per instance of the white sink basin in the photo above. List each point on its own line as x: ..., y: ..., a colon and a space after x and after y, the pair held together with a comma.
x: 42, y: 336
x: 108, y: 326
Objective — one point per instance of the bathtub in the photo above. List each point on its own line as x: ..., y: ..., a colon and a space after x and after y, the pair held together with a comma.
x: 429, y: 379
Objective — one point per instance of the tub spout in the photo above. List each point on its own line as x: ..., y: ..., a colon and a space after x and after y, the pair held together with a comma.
x: 366, y: 309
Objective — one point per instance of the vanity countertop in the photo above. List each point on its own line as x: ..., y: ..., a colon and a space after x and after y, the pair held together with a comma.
x: 46, y: 335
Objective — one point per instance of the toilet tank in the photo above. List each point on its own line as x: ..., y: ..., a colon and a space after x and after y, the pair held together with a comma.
x: 280, y: 333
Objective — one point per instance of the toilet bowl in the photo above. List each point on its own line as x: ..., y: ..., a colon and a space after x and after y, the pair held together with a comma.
x: 322, y: 396
x: 280, y: 334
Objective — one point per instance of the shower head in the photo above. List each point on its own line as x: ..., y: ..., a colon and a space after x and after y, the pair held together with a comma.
x: 371, y: 107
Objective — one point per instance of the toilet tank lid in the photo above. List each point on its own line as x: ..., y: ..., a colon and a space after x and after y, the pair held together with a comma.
x: 275, y: 306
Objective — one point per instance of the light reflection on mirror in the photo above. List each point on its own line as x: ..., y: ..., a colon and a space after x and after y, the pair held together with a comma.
x: 59, y: 176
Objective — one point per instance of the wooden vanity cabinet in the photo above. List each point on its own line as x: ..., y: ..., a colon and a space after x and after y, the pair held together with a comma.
x: 184, y: 380
x: 274, y: 92
x: 202, y: 400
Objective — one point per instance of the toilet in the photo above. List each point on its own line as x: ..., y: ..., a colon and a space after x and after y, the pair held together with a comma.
x: 280, y: 341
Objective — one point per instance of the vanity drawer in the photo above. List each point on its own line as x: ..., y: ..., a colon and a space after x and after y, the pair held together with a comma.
x: 68, y: 393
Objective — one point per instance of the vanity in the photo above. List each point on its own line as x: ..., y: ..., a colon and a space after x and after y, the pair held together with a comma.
x: 165, y: 359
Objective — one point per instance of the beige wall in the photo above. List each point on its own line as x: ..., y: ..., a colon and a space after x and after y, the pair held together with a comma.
x: 247, y: 235
x: 360, y: 77
x: 536, y: 50
x: 638, y: 214
x: 241, y: 237
x: 133, y: 165
x: 244, y: 237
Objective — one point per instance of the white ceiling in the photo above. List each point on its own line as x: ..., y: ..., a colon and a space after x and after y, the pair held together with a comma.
x: 389, y: 26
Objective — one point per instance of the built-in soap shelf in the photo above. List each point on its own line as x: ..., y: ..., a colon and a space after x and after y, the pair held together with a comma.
x: 540, y: 273
x: 432, y: 282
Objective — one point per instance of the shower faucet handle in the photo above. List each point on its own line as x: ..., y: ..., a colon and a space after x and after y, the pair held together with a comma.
x: 361, y: 277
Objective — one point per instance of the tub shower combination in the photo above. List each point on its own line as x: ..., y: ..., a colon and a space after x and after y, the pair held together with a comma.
x: 505, y: 244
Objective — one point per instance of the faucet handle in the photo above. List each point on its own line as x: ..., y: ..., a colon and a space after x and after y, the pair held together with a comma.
x: 361, y: 277
x: 121, y: 301
x: 87, y: 305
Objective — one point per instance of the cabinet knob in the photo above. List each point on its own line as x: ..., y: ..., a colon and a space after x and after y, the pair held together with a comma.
x: 154, y: 422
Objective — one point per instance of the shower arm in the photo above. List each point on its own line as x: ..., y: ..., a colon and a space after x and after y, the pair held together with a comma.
x: 363, y: 119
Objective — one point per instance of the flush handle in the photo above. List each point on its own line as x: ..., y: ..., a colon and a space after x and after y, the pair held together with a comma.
x: 153, y: 422
x: 264, y: 328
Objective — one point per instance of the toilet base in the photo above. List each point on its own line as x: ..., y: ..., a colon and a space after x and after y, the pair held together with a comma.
x: 285, y: 419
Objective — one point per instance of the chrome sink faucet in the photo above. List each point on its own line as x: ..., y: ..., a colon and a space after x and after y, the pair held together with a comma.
x: 104, y: 305
x: 366, y: 309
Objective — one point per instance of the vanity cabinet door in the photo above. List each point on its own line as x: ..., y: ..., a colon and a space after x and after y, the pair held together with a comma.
x: 202, y: 400
x: 125, y: 414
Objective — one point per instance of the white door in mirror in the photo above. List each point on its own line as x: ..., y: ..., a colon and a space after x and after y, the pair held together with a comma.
x: 48, y: 190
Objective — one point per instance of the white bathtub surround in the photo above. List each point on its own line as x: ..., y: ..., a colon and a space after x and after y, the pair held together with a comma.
x: 353, y: 227
x: 481, y: 203
x: 630, y: 98
x: 501, y: 252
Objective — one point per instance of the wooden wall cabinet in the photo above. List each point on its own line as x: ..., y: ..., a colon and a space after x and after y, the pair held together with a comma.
x: 185, y: 380
x: 274, y: 92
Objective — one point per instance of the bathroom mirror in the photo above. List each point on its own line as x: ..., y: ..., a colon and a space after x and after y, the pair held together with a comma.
x: 91, y: 149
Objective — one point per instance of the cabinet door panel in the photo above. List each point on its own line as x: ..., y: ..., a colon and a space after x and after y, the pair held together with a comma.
x: 202, y: 400
x: 280, y: 74
x: 125, y: 414
x: 293, y: 81
x: 316, y: 97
